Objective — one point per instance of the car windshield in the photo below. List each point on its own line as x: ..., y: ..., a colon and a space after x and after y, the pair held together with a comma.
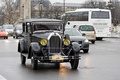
x: 8, y: 26
x: 19, y: 27
x: 86, y: 28
x: 72, y: 32
x: 38, y: 27
x: 1, y: 28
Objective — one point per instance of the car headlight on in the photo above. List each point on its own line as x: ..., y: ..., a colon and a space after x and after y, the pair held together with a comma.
x: 43, y: 42
x: 66, y: 42
x: 86, y: 40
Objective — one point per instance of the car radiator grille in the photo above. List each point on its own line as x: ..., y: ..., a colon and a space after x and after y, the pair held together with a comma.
x: 55, y: 44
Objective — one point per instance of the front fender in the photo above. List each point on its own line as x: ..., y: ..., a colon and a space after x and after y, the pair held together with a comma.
x: 22, y: 46
x: 75, y: 47
x: 35, y: 47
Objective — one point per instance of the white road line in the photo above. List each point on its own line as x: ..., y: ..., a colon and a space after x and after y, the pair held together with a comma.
x: 2, y: 78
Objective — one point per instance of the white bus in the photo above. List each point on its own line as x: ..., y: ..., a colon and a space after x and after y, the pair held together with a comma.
x: 99, y: 18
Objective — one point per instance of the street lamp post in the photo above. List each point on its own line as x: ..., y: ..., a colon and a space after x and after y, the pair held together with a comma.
x: 64, y: 5
x: 40, y: 6
x: 22, y: 12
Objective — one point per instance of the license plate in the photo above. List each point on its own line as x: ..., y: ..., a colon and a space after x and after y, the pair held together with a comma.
x: 57, y: 57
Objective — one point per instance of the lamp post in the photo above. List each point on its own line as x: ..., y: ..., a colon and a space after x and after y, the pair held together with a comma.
x: 64, y: 5
x: 22, y: 12
x: 112, y: 8
x: 40, y: 8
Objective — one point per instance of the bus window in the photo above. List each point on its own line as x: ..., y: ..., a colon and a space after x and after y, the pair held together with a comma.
x: 100, y: 14
x: 77, y: 16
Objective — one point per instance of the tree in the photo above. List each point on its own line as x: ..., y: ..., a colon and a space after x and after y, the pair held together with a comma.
x: 11, y: 13
x: 94, y: 4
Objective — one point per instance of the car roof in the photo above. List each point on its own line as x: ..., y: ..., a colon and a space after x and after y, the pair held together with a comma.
x: 69, y: 28
x: 7, y: 25
x: 42, y: 20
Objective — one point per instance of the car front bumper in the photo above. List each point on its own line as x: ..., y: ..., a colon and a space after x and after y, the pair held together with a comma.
x: 84, y: 46
x: 49, y: 59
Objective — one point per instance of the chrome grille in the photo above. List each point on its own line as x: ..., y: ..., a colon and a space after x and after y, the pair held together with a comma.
x: 55, y: 44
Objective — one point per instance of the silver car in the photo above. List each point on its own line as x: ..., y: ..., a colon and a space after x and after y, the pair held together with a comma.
x: 9, y: 28
x: 76, y: 36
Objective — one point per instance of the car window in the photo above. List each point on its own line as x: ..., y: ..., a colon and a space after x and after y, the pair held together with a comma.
x: 8, y: 27
x: 1, y: 28
x: 86, y: 28
x: 72, y: 32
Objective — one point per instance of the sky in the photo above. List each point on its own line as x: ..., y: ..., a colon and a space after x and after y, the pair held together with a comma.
x: 72, y: 1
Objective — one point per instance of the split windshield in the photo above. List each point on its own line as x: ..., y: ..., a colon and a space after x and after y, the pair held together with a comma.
x: 38, y: 27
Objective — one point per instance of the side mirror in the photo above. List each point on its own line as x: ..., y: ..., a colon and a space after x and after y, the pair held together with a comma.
x: 83, y: 34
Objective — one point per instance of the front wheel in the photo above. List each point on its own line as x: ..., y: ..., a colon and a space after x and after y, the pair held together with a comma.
x: 57, y: 65
x: 34, y: 63
x: 85, y: 50
x: 93, y: 42
x: 16, y: 36
x: 74, y: 63
x: 23, y: 59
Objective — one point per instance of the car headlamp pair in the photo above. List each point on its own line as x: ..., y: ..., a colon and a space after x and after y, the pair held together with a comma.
x: 43, y: 42
x: 66, y: 42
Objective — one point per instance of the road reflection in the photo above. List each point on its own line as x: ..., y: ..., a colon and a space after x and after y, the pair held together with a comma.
x: 63, y: 71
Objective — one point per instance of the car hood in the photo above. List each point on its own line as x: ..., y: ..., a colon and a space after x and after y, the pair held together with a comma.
x: 77, y: 38
x: 43, y: 34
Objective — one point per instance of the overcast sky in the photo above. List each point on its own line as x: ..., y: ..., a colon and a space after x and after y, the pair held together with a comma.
x: 72, y: 1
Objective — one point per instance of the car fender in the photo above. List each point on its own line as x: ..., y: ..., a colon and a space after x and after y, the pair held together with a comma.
x: 35, y: 47
x: 75, y: 47
x: 22, y: 46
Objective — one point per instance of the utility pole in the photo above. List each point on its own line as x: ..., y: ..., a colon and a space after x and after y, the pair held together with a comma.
x: 40, y: 8
x: 25, y: 9
x: 64, y: 5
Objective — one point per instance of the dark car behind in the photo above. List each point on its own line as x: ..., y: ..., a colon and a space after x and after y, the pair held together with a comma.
x: 76, y: 36
x: 17, y: 31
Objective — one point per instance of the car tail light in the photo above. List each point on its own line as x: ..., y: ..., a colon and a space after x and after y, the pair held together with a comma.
x: 94, y: 31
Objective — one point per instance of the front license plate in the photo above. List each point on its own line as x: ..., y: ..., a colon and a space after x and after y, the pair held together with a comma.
x: 57, y: 57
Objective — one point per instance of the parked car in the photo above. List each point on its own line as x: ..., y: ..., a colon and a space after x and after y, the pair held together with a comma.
x: 9, y: 28
x: 89, y: 32
x: 17, y: 32
x: 3, y: 33
x: 44, y: 41
x: 76, y: 36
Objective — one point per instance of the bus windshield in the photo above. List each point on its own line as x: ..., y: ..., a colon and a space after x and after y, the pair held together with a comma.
x: 100, y: 14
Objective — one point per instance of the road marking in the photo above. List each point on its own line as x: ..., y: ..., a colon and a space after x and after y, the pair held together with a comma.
x: 2, y: 78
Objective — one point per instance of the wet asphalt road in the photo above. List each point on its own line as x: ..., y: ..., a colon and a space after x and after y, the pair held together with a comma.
x: 101, y: 63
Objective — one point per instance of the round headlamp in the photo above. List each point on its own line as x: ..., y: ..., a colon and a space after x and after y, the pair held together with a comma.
x: 43, y: 42
x: 66, y: 42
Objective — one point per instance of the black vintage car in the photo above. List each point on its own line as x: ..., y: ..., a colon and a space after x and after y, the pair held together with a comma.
x: 44, y: 41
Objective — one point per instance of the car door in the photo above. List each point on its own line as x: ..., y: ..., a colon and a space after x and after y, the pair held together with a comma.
x: 26, y: 35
